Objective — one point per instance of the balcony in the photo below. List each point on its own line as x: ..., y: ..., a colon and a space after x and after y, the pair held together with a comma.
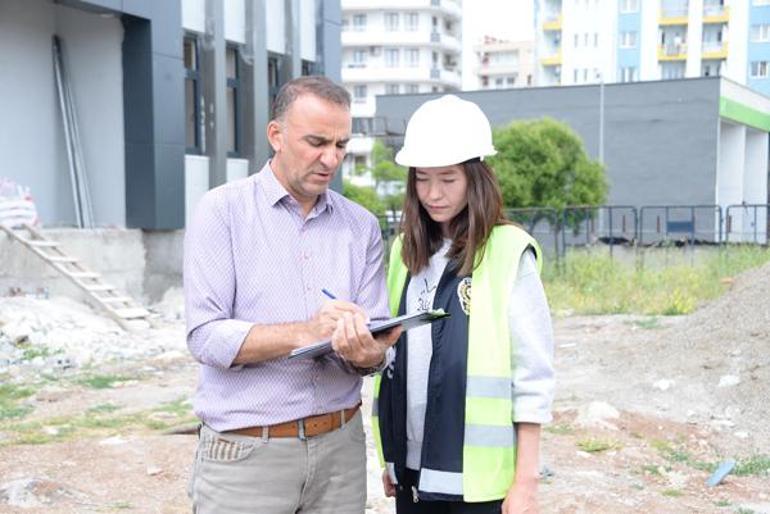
x: 379, y: 74
x: 552, y: 23
x: 715, y: 14
x: 443, y: 40
x: 551, y: 60
x: 714, y: 51
x: 672, y: 52
x: 671, y: 17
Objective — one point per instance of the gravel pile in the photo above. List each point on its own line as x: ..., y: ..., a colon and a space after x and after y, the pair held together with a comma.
x: 44, y: 335
x: 712, y: 367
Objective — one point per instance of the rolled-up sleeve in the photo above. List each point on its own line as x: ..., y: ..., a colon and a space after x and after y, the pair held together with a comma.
x: 213, y: 337
x: 532, y: 346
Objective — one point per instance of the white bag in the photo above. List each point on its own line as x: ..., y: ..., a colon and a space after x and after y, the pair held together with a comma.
x: 16, y: 205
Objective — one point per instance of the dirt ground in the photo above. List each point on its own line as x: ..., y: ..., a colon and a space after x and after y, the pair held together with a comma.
x: 630, y: 433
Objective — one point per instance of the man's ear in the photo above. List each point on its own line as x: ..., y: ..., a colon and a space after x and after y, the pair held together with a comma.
x: 274, y: 135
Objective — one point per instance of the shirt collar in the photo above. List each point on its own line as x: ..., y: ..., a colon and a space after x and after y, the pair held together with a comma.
x: 275, y: 192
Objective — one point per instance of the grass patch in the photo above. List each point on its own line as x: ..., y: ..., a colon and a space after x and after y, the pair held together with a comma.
x: 9, y: 401
x: 722, y: 503
x: 594, y: 284
x: 100, y: 421
x: 673, y: 493
x: 758, y: 465
x: 592, y: 445
x: 679, y: 454
x: 102, y: 381
x: 559, y: 429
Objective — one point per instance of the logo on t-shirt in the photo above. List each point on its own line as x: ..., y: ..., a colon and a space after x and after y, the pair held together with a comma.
x: 464, y: 294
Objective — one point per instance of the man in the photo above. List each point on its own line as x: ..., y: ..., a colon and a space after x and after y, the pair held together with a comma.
x: 284, y: 436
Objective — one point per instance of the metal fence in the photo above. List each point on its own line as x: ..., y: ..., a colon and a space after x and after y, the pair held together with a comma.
x: 650, y: 225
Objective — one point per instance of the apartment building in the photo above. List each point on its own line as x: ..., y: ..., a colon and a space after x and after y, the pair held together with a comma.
x: 171, y: 96
x: 392, y: 47
x: 594, y: 41
x: 504, y: 64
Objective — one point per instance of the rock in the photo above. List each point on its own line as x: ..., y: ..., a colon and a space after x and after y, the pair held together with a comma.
x: 112, y: 441
x: 153, y: 470
x: 19, y: 493
x: 663, y: 384
x: 729, y: 380
x: 596, y: 414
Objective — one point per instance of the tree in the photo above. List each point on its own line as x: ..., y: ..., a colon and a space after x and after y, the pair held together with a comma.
x: 364, y: 196
x: 542, y: 163
x: 389, y: 178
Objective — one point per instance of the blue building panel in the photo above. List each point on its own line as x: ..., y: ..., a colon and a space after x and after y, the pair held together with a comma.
x: 758, y: 52
x: 629, y: 57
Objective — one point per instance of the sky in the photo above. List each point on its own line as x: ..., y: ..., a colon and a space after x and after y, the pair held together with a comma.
x: 503, y: 19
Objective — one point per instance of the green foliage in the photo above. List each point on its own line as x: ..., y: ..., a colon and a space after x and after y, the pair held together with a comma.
x: 758, y: 465
x: 9, y: 396
x: 542, y: 163
x: 592, y: 445
x: 102, y: 381
x: 389, y: 178
x: 365, y: 197
x: 597, y: 284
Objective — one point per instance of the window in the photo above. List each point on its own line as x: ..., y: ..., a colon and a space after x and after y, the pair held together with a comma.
x: 362, y: 125
x: 529, y: 80
x: 412, y: 21
x: 585, y: 74
x: 359, y: 22
x: 575, y: 78
x: 628, y: 74
x: 391, y: 89
x: 391, y: 21
x: 760, y: 33
x: 628, y: 6
x: 273, y: 78
x: 711, y: 69
x: 412, y: 89
x: 759, y: 69
x: 596, y: 39
x: 499, y: 82
x: 628, y: 39
x: 308, y: 68
x: 359, y: 93
x: 510, y: 81
x: 577, y: 40
x: 359, y: 58
x: 233, y: 94
x: 193, y: 96
x: 585, y: 39
x: 413, y: 57
x: 391, y: 57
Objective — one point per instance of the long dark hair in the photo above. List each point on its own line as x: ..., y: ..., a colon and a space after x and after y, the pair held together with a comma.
x: 469, y: 230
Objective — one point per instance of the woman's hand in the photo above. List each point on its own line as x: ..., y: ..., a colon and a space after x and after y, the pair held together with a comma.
x: 521, y: 498
x: 387, y: 485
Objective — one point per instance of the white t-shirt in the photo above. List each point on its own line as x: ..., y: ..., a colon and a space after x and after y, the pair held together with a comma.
x: 532, y: 348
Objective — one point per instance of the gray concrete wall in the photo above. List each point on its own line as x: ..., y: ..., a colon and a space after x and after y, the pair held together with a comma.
x: 144, y: 264
x: 660, y: 138
x: 31, y: 134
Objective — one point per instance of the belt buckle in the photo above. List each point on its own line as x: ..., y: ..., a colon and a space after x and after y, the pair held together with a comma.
x: 301, y: 427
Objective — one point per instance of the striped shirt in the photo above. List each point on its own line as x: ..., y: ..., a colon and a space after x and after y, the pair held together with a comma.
x: 251, y: 257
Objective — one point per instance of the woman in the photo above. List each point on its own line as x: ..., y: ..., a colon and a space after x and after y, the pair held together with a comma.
x: 459, y: 409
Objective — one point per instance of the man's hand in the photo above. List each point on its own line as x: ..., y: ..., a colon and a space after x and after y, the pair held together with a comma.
x: 521, y: 498
x: 387, y: 485
x: 325, y: 320
x: 354, y: 343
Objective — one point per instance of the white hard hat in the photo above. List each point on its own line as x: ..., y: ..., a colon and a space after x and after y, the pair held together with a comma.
x: 446, y: 131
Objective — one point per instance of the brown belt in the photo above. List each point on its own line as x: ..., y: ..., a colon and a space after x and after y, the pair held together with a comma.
x: 305, y: 427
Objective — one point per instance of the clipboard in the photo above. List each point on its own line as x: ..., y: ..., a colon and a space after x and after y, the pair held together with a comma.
x: 408, y: 321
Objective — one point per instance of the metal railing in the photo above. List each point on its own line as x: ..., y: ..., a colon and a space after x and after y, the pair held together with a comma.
x: 623, y: 225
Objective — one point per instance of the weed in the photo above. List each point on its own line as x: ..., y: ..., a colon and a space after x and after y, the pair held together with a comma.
x: 722, y: 503
x: 10, y: 394
x: 101, y: 381
x: 597, y: 445
x: 758, y: 465
x: 560, y: 429
x: 674, y: 493
x: 103, y: 408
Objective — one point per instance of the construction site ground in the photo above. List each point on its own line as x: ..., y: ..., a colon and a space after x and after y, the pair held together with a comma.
x: 646, y: 408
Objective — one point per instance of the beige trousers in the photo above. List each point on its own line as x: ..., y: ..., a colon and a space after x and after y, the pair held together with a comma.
x: 235, y: 474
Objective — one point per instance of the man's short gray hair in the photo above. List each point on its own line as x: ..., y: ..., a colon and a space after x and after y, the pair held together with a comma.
x: 316, y: 85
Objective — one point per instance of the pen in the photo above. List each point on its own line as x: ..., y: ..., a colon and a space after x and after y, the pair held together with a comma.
x: 327, y: 293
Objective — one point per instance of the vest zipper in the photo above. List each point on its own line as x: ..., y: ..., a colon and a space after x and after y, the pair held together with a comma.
x: 415, y: 495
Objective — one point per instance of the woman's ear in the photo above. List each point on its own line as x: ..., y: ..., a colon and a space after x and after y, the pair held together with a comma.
x: 275, y: 135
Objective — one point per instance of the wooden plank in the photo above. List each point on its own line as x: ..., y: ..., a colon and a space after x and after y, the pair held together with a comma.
x: 83, y: 274
x: 116, y: 299
x: 131, y: 312
x: 56, y: 258
x: 98, y: 287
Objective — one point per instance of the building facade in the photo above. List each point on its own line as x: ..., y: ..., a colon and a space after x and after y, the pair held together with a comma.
x: 504, y: 64
x: 593, y: 41
x: 171, y: 97
x: 395, y: 47
x: 697, y: 141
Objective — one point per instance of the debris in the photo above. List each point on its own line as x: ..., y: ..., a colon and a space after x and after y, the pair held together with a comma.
x: 721, y: 472
x: 596, y: 414
x: 663, y: 384
x: 729, y: 380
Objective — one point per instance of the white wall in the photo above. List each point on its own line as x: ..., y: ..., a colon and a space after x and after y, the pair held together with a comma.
x: 196, y: 182
x: 307, y: 29
x: 235, y: 21
x: 31, y: 134
x: 194, y: 15
x: 276, y: 28
x: 729, y: 191
x: 755, y: 185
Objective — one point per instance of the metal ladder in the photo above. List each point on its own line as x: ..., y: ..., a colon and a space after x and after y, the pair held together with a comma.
x: 120, y: 307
